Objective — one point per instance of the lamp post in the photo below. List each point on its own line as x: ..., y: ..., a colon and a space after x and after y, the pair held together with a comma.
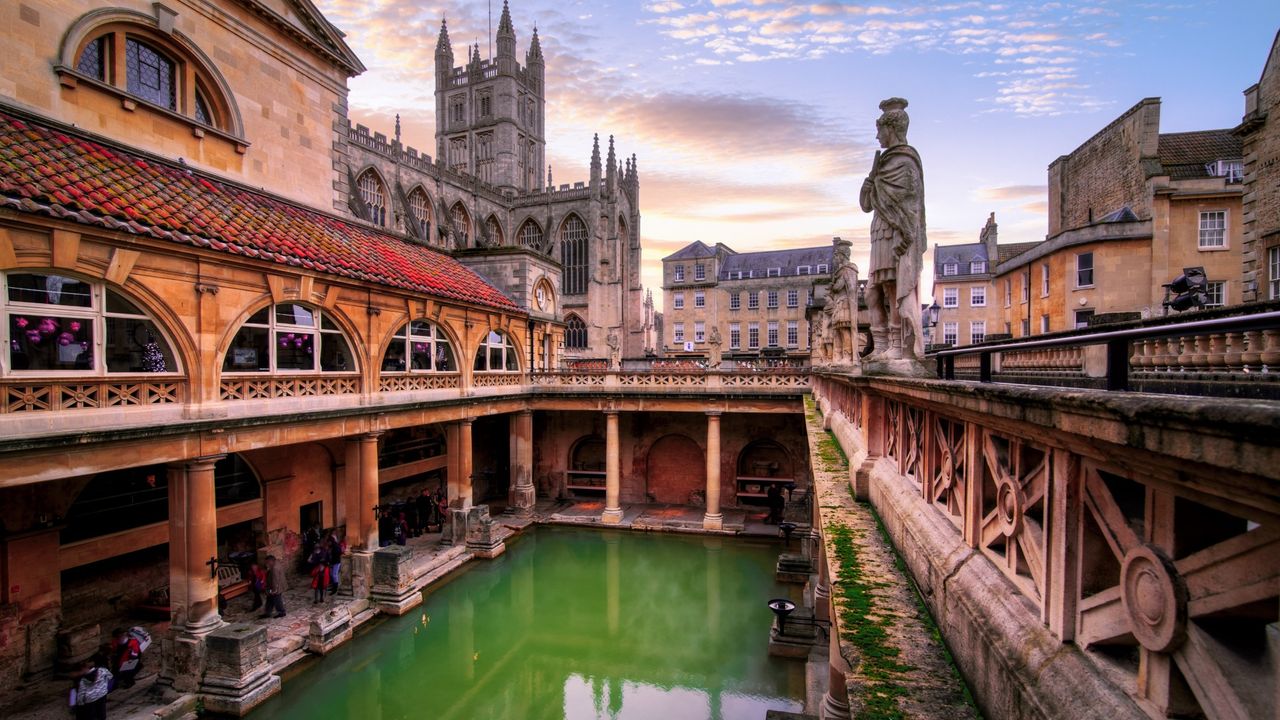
x: 929, y: 318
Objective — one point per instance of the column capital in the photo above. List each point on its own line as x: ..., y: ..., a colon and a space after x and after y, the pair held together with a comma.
x: 465, y: 420
x: 714, y: 413
x: 611, y: 411
x: 198, y: 463
x: 526, y: 411
x: 372, y: 435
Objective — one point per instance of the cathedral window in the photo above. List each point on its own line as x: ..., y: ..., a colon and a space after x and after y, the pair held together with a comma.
x: 457, y: 109
x: 420, y: 212
x: 497, y: 354
x: 494, y: 231
x: 461, y: 224
x: 575, y: 333
x: 58, y: 323
x: 419, y: 346
x: 289, y: 338
x: 374, y: 197
x: 573, y: 255
x: 486, y: 105
x: 458, y: 160
x: 530, y: 234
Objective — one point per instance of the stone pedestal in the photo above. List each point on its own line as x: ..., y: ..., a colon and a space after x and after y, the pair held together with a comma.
x: 359, y: 568
x: 522, y: 499
x: 482, y: 534
x: 75, y: 645
x: 329, y: 630
x: 454, y: 531
x: 182, y: 660
x: 794, y: 568
x: 393, y: 591
x: 237, y: 677
x: 797, y: 640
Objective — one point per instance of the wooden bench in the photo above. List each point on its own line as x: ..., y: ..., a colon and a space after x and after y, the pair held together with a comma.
x: 230, y: 584
x: 156, y: 605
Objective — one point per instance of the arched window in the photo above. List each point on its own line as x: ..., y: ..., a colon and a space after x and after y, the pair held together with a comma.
x: 494, y: 230
x: 374, y: 197
x: 420, y: 212
x: 289, y: 338
x: 158, y: 69
x: 622, y: 231
x: 419, y: 346
x: 573, y: 255
x: 497, y: 353
x: 59, y: 323
x: 461, y: 224
x: 530, y: 234
x: 125, y: 499
x: 575, y: 333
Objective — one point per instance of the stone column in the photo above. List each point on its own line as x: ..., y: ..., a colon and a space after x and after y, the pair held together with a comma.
x: 835, y: 704
x: 193, y: 534
x: 458, y: 441
x: 613, y: 470
x: 361, y: 478
x: 522, y: 491
x: 713, y: 520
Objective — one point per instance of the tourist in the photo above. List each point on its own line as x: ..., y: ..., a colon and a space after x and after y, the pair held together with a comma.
x: 276, y: 583
x: 89, y: 692
x: 426, y: 510
x: 336, y: 549
x: 384, y: 527
x: 257, y: 585
x: 776, y: 504
x: 319, y: 562
x: 411, y: 512
x: 126, y: 657
x: 400, y: 530
x: 442, y: 505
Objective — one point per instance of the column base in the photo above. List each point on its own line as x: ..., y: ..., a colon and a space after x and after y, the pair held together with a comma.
x: 611, y: 516
x: 237, y: 674
x: 833, y: 709
x: 204, y: 626
x: 522, y: 500
x: 713, y: 521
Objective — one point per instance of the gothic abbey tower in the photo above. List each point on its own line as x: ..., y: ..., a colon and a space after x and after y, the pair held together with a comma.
x: 569, y: 254
x: 490, y: 114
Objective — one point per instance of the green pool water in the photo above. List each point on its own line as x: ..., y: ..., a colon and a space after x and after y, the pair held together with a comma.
x: 570, y: 624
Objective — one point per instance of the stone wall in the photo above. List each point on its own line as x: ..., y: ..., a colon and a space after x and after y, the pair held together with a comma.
x: 1260, y: 132
x: 1108, y: 172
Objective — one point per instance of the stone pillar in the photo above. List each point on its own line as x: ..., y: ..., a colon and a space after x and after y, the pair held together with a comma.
x: 835, y: 704
x: 522, y: 491
x: 362, y: 490
x: 193, y: 543
x: 613, y: 470
x: 458, y: 442
x: 713, y: 520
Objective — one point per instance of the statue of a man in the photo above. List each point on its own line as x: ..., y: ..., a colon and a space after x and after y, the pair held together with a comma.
x: 842, y: 305
x: 894, y: 191
x: 713, y: 346
x: 614, y: 345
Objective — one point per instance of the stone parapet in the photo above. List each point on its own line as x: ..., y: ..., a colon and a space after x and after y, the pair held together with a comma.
x: 329, y: 630
x: 393, y: 589
x: 237, y: 676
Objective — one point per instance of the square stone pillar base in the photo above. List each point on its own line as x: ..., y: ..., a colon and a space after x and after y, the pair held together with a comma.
x: 182, y: 660
x: 713, y: 522
x: 611, y: 517
x: 797, y: 640
x: 454, y: 531
x: 329, y: 630
x: 794, y: 568
x: 482, y: 533
x: 75, y: 645
x: 359, y: 568
x: 521, y: 500
x: 393, y: 591
x: 237, y: 677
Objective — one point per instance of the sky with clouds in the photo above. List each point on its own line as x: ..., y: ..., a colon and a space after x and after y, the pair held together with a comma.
x: 754, y: 120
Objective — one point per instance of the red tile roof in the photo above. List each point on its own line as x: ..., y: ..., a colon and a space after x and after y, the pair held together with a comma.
x: 53, y: 172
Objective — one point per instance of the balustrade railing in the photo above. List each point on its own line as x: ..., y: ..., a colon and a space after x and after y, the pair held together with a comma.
x: 402, y: 382
x: 20, y: 395
x: 287, y: 386
x: 1235, y: 355
x: 1119, y: 548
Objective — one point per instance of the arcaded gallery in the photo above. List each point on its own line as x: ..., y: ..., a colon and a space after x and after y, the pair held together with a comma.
x: 297, y: 420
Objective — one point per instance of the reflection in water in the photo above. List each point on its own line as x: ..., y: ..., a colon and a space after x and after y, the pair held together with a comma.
x: 570, y: 624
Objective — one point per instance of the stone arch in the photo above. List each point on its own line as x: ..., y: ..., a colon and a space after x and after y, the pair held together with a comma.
x: 345, y: 327
x: 420, y: 212
x: 493, y: 229
x: 530, y: 234
x: 766, y: 459
x: 587, y: 453
x: 460, y: 219
x: 676, y: 470
x: 96, y: 22
x: 374, y: 194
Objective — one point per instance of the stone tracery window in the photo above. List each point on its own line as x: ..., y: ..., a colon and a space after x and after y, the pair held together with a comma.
x: 573, y: 255
x: 575, y: 333
x: 419, y: 346
x: 420, y: 212
x: 374, y: 196
x: 289, y: 338
x: 494, y: 230
x: 57, y: 323
x: 497, y: 354
x: 530, y: 234
x: 461, y: 224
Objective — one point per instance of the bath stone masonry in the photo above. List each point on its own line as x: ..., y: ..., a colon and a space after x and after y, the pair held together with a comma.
x: 393, y: 589
x: 482, y: 533
x: 329, y: 630
x: 237, y: 676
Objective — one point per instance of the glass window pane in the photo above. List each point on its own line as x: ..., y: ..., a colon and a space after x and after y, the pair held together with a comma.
x: 250, y: 351
x: 49, y: 290
x: 295, y: 351
x: 421, y: 328
x: 290, y: 314
x: 262, y: 317
x: 135, y: 345
x: 91, y: 59
x: 50, y: 343
x: 149, y: 74
x: 444, y: 357
x: 420, y: 355
x: 327, y: 324
x: 335, y: 354
x: 116, y: 303
x: 495, y: 358
x: 393, y: 361
x: 479, y: 364
x: 512, y: 359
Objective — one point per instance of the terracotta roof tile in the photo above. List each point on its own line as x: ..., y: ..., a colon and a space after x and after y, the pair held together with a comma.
x: 45, y: 170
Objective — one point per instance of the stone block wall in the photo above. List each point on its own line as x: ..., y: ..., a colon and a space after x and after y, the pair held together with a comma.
x: 1260, y: 133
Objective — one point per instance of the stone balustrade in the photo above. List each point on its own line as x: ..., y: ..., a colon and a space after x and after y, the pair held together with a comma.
x: 22, y: 395
x: 1116, y: 547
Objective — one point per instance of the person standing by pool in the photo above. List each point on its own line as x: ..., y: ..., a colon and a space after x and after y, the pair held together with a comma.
x: 276, y: 584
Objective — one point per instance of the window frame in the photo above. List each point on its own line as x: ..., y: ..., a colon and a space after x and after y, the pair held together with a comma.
x: 575, y: 332
x: 735, y: 300
x: 1273, y: 268
x: 977, y: 267
x: 771, y: 333
x: 950, y: 268
x: 771, y: 299
x: 1222, y: 231
x: 793, y: 298
x: 677, y: 332
x: 677, y: 273
x: 433, y: 342
x: 1080, y: 270
x: 978, y: 296
x: 699, y: 331
x: 274, y: 326
x: 510, y: 352
x: 699, y: 272
x: 753, y: 336
x: 793, y: 333
x: 950, y: 297
x: 677, y: 301
x: 699, y: 299
x: 96, y: 313
x: 977, y: 331
x: 735, y: 336
x: 1220, y: 286
x: 574, y: 255
x: 950, y: 329
x: 753, y: 300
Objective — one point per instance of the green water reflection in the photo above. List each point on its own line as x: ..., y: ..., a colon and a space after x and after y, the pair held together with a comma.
x: 571, y: 624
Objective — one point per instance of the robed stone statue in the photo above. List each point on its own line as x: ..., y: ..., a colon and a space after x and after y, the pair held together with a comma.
x: 894, y: 191
x: 841, y: 309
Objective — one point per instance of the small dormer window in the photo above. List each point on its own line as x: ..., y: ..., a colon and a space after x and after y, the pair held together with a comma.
x: 978, y: 266
x: 822, y: 268
x: 803, y: 269
x: 950, y: 268
x: 1232, y: 170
